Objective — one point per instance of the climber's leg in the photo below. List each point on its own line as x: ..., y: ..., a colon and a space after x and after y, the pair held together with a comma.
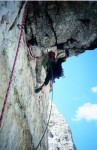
x: 38, y: 89
x: 47, y: 79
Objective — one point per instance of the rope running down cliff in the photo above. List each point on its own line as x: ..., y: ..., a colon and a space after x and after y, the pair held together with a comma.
x: 33, y: 57
x: 12, y: 72
x: 15, y: 59
x: 48, y: 117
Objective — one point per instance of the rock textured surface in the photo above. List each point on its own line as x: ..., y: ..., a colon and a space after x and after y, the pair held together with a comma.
x: 59, y: 135
x: 66, y: 25
x: 49, y: 26
x: 26, y: 112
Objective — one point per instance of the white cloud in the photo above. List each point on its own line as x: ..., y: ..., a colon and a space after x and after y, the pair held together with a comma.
x: 94, y: 89
x: 88, y: 112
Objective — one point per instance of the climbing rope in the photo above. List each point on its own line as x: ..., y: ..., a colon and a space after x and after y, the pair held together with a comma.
x: 27, y: 45
x: 28, y: 48
x: 33, y: 57
x: 12, y: 72
x: 48, y: 117
x: 15, y: 59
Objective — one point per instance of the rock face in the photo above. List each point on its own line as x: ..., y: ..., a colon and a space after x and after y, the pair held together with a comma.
x: 66, y: 25
x: 26, y: 112
x: 49, y: 26
x: 59, y: 135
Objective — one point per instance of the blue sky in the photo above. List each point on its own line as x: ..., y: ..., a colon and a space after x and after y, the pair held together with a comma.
x: 75, y: 96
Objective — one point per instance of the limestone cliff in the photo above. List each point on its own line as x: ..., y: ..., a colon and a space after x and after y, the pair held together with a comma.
x: 59, y: 135
x: 49, y: 26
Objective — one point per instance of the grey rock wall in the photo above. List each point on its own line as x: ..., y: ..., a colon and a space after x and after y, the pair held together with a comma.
x: 25, y: 114
x: 66, y: 25
x: 50, y: 26
x: 59, y: 135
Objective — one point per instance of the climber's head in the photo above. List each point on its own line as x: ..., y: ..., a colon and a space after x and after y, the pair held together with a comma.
x: 51, y: 55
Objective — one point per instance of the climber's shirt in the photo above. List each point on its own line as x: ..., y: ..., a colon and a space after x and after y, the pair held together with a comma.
x: 45, y: 62
x: 53, y: 57
x: 48, y: 59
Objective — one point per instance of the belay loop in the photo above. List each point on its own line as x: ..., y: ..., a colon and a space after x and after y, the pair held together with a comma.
x: 15, y: 59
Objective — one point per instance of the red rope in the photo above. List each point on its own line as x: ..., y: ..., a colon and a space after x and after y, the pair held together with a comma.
x: 28, y: 48
x: 27, y: 45
x: 11, y: 75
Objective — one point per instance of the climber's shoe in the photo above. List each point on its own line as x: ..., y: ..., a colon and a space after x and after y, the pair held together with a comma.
x: 38, y: 90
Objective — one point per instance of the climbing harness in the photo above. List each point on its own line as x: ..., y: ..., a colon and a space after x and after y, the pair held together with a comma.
x: 48, y: 117
x: 15, y: 59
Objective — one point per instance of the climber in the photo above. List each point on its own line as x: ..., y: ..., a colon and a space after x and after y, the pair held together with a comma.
x: 54, y: 70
